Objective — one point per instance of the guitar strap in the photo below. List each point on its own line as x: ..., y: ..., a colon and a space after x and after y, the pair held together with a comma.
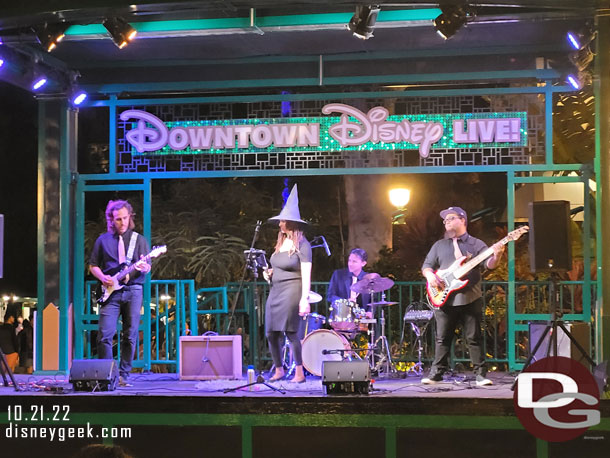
x: 132, y: 247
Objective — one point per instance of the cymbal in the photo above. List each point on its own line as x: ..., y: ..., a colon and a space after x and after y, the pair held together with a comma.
x: 371, y: 284
x: 313, y: 297
x: 383, y: 303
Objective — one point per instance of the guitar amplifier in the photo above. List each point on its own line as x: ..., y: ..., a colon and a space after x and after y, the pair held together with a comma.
x: 210, y: 357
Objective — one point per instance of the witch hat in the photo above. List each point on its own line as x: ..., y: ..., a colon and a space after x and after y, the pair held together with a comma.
x: 290, y: 212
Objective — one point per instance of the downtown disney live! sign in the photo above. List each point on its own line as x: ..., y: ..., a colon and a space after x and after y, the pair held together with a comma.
x: 352, y: 130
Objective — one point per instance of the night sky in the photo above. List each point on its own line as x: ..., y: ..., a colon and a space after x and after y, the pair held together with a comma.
x: 18, y: 156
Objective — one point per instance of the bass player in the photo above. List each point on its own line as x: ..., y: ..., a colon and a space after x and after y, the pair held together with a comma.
x: 464, y: 305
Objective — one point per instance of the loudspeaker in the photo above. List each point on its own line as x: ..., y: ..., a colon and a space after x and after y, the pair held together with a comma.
x: 94, y: 374
x: 550, y: 240
x: 565, y: 347
x: 210, y: 357
x: 346, y: 377
x: 1, y: 245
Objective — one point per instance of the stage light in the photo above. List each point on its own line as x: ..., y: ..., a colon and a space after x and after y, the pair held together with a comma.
x: 79, y: 98
x: 49, y: 35
x: 39, y: 82
x: 120, y: 31
x: 574, y: 81
x: 451, y: 19
x: 363, y: 21
x: 578, y: 40
x: 1, y: 62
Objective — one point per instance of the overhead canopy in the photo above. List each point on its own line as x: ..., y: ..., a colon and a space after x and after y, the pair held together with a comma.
x: 185, y: 47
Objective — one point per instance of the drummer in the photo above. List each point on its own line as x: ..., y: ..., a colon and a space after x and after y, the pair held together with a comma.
x: 342, y: 280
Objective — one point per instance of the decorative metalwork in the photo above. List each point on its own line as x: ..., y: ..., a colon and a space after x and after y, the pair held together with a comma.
x: 294, y: 160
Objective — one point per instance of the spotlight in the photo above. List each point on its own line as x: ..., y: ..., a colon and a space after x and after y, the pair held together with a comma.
x: 120, y: 31
x: 363, y: 21
x: 78, y: 98
x: 451, y: 19
x: 50, y: 34
x: 580, y: 79
x: 579, y: 40
x: 1, y: 62
x: 39, y: 82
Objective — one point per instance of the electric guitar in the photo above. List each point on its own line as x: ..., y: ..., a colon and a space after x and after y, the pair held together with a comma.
x: 450, y: 277
x: 104, y: 292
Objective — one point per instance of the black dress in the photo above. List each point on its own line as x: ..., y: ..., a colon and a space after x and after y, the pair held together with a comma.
x: 282, y: 309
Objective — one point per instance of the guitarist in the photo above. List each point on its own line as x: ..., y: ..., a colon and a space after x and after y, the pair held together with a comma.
x: 463, y: 305
x: 110, y: 253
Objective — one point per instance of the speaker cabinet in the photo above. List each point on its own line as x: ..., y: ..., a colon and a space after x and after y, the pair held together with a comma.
x: 565, y: 347
x: 94, y: 374
x: 210, y: 357
x: 550, y: 241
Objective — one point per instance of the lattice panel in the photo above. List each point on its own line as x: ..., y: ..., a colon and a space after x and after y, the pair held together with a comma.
x: 533, y: 153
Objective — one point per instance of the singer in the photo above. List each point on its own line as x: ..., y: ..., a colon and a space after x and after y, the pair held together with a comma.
x: 342, y: 279
x: 290, y: 284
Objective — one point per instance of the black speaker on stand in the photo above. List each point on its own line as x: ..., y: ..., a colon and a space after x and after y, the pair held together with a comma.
x: 551, y: 251
x: 94, y: 374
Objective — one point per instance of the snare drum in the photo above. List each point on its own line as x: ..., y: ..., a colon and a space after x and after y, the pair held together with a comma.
x: 310, y: 323
x: 316, y: 342
x: 343, y: 315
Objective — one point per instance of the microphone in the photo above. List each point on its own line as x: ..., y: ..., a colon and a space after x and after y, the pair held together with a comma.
x: 325, y: 245
x: 256, y: 231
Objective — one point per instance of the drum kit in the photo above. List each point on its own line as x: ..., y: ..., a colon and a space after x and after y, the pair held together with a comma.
x: 347, y: 319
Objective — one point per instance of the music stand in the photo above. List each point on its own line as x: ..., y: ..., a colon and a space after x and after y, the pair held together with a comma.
x: 254, y: 260
x: 4, y: 369
x: 418, y: 315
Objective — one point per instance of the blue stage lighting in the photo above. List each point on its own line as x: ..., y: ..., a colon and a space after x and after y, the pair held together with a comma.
x: 1, y: 62
x: 79, y: 98
x: 574, y: 81
x: 574, y: 40
x: 38, y: 83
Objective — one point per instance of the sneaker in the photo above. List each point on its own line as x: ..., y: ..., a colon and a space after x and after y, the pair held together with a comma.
x: 432, y: 379
x: 123, y: 382
x: 483, y: 381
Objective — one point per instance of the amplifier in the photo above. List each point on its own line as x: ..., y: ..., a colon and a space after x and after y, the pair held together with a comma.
x: 346, y: 377
x: 210, y: 357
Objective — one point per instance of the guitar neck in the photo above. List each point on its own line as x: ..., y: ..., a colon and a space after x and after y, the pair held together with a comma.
x: 467, y: 267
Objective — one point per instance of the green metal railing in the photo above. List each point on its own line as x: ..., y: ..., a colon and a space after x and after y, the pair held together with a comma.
x: 177, y: 308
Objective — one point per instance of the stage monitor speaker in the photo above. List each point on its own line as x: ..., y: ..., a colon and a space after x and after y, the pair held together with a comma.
x: 550, y: 241
x: 346, y: 377
x: 565, y: 347
x: 1, y: 245
x: 94, y: 374
x: 210, y: 357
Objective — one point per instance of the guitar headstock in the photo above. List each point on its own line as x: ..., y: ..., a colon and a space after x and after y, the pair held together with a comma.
x: 158, y: 251
x: 514, y: 235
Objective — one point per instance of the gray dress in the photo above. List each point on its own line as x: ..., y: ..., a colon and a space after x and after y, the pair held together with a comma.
x: 282, y: 308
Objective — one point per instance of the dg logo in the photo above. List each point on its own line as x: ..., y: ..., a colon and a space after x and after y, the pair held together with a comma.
x: 556, y: 399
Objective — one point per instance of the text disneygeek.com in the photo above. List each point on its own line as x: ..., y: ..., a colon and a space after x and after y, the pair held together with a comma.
x: 63, y: 433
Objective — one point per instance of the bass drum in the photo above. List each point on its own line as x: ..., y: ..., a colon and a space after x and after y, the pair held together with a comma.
x: 316, y: 342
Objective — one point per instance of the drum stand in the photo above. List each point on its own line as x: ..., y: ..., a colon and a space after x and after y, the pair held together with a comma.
x: 384, y: 364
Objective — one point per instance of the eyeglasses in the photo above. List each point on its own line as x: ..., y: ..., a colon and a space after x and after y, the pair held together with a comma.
x: 451, y: 218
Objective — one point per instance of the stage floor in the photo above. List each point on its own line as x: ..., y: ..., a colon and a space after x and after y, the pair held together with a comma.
x: 161, y: 416
x: 460, y: 386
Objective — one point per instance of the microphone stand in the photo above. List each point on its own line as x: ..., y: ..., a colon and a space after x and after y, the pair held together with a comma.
x: 243, y: 277
x: 5, y: 369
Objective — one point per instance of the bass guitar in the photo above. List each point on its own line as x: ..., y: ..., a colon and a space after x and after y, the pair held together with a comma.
x: 451, y: 277
x: 104, y: 292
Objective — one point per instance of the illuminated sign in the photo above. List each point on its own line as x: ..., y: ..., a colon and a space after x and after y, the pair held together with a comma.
x: 353, y: 130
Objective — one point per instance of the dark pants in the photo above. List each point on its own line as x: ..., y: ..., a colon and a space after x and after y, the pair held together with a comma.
x: 276, y: 341
x: 126, y: 302
x: 447, y: 318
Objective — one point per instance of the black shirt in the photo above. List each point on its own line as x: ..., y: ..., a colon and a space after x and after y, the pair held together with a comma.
x: 105, y: 254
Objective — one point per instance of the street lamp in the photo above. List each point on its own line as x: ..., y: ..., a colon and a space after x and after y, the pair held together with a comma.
x: 399, y: 197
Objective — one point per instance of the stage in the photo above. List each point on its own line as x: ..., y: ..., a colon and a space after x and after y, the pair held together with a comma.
x: 161, y: 416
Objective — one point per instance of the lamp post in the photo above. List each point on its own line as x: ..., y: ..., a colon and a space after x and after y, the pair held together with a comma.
x: 399, y: 197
